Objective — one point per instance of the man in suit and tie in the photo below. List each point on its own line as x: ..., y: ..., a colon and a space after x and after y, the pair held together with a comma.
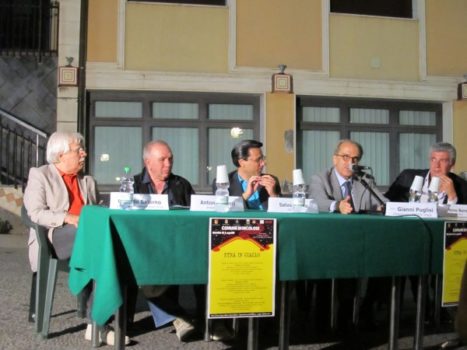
x: 336, y: 189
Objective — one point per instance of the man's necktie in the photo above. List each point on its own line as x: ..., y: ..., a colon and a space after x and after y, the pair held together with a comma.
x: 348, y: 192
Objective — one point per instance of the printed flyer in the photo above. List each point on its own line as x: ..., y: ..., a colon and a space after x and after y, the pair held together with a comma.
x: 242, y: 267
x: 455, y: 254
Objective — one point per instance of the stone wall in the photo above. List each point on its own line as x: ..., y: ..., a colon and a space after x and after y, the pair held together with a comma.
x: 28, y: 90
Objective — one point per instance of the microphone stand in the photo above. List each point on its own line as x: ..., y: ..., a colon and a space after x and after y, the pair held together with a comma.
x: 359, y: 176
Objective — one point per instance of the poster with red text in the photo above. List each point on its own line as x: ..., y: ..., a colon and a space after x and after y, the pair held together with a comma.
x: 242, y: 267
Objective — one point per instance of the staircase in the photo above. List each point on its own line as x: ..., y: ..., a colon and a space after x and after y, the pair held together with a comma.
x: 22, y: 146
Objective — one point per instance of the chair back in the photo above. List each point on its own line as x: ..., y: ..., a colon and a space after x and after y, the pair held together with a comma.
x: 46, y: 278
x: 46, y: 249
x: 25, y: 218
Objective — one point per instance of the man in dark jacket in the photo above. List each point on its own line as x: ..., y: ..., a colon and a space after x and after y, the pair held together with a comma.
x: 452, y: 188
x: 248, y: 181
x: 157, y: 178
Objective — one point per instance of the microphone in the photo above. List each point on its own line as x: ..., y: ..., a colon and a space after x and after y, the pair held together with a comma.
x: 358, y: 168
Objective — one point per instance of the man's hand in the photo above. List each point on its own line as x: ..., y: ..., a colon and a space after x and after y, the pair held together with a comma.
x: 447, y: 186
x: 268, y: 182
x: 344, y: 206
x: 71, y: 219
x: 252, y: 187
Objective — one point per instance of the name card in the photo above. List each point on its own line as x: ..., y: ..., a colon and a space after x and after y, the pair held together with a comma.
x: 286, y: 205
x: 459, y: 210
x: 208, y: 203
x: 138, y: 201
x: 423, y: 210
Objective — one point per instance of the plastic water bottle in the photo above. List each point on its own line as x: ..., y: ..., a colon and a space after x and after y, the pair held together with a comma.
x: 298, y: 197
x: 126, y: 185
x: 433, y: 196
x: 433, y: 190
x: 415, y: 192
x: 222, y: 197
x: 126, y: 181
x: 414, y: 196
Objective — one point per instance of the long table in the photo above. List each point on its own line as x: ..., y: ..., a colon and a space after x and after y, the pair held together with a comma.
x: 115, y: 248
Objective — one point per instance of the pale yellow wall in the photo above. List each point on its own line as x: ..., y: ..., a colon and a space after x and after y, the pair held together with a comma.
x: 271, y: 32
x: 102, y: 30
x: 446, y: 37
x: 357, y: 42
x: 280, y: 109
x: 176, y: 38
x: 460, y: 141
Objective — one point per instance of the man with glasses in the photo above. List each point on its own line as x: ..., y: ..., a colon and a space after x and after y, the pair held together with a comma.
x: 54, y: 197
x: 336, y: 189
x: 452, y: 188
x: 248, y: 181
x: 56, y: 192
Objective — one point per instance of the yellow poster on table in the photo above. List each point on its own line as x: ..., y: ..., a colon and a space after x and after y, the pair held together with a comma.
x: 455, y: 255
x: 242, y: 267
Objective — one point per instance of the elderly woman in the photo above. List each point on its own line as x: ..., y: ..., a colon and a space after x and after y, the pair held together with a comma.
x: 54, y: 196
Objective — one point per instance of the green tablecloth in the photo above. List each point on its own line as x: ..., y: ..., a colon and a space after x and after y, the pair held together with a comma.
x: 116, y: 247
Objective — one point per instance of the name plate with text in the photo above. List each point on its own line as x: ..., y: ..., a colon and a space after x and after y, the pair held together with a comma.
x: 286, y: 205
x: 208, y: 203
x: 459, y: 210
x: 138, y: 201
x: 423, y: 210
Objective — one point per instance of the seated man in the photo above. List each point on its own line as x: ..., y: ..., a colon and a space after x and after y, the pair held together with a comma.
x: 157, y: 178
x: 248, y: 181
x: 53, y: 198
x: 452, y: 189
x: 338, y: 190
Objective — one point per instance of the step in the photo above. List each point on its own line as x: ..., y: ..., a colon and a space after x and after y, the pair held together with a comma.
x: 11, y: 199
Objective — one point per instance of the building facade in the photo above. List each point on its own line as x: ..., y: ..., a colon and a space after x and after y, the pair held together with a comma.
x: 202, y: 76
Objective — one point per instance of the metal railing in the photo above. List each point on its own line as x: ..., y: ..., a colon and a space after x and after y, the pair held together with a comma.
x: 21, y: 147
x: 29, y: 27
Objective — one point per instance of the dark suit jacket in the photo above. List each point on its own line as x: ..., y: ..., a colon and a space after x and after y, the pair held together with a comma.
x: 178, y: 188
x: 235, y: 189
x: 399, y: 190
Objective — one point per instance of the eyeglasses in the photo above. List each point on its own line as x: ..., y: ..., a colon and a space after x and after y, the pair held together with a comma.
x: 259, y: 159
x: 78, y: 150
x: 346, y: 158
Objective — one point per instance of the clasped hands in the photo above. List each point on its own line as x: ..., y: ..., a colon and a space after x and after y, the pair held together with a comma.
x: 266, y: 181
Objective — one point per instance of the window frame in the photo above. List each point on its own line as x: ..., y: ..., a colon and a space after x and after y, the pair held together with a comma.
x: 187, y: 2
x: 377, y: 8
x: 147, y: 122
x: 393, y: 128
